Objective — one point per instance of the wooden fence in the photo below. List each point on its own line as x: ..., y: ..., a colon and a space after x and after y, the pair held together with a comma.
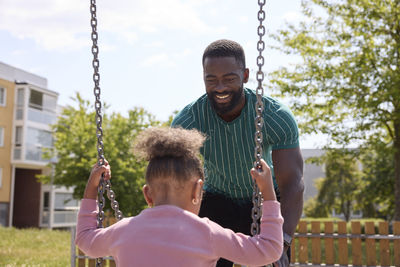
x: 321, y: 244
x: 79, y: 259
x: 338, y: 245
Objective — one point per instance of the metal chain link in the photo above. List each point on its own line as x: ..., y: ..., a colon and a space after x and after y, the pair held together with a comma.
x: 258, y: 137
x: 103, y: 185
x: 257, y: 198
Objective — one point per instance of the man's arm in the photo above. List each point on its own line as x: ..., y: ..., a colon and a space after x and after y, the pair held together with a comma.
x: 288, y: 169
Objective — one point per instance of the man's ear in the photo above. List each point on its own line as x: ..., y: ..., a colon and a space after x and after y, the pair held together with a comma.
x: 147, y: 195
x: 246, y: 75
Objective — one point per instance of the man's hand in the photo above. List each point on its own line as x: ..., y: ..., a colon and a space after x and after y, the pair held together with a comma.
x: 284, y: 260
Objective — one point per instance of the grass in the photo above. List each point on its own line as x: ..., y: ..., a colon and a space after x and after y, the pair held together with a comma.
x: 34, y: 247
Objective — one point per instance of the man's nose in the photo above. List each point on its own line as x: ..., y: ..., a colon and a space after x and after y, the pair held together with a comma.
x: 220, y: 86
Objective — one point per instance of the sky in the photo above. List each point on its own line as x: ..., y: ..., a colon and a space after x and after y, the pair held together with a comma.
x: 149, y: 50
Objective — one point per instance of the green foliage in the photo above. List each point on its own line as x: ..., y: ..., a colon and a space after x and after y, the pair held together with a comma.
x: 337, y: 189
x: 75, y: 148
x: 346, y: 84
x: 170, y: 118
x: 376, y: 198
x: 312, y: 208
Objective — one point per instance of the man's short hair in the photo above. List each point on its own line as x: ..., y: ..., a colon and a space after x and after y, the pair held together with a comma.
x: 225, y: 48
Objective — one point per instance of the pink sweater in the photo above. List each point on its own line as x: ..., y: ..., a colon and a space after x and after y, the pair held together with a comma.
x: 167, y: 235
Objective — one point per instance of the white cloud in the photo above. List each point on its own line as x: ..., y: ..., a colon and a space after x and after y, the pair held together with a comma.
x: 248, y: 46
x: 105, y: 47
x: 187, y: 52
x: 158, y: 59
x: 243, y: 19
x: 157, y: 44
x: 65, y: 24
x: 166, y: 60
x: 154, y: 15
x: 129, y: 37
x: 292, y: 16
x: 19, y: 52
x: 54, y: 24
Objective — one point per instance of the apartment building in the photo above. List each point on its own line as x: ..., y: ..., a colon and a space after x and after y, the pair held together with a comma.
x: 27, y: 111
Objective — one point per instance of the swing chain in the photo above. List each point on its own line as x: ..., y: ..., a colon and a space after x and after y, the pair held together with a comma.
x: 103, y: 185
x: 258, y: 137
x: 99, y: 131
x: 96, y: 80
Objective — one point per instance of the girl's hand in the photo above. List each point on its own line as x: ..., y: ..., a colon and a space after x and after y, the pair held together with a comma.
x: 97, y: 171
x: 94, y: 179
x: 264, y: 181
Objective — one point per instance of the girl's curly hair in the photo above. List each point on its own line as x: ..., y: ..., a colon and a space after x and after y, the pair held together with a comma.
x: 171, y: 152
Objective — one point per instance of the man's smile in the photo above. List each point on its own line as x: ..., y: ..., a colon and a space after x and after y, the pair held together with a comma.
x: 222, y: 98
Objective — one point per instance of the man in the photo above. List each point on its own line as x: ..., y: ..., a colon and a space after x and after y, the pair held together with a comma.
x: 226, y: 114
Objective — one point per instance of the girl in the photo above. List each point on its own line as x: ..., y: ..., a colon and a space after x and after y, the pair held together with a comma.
x: 171, y: 233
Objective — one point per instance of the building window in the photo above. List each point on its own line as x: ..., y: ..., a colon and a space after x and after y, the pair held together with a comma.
x: 4, y: 214
x: 37, y: 141
x: 39, y: 138
x: 46, y: 201
x: 40, y: 101
x: 20, y: 97
x: 36, y: 100
x: 46, y: 208
x: 1, y: 136
x: 18, y: 136
x: 49, y: 103
x: 20, y: 104
x: 2, y: 96
x: 64, y: 201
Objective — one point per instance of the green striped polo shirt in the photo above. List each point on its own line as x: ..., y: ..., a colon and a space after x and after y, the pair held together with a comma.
x: 229, y: 148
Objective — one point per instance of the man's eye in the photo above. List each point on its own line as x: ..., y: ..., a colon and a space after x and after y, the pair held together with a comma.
x: 229, y: 80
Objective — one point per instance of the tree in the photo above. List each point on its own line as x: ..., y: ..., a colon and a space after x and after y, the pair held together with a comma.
x: 376, y: 197
x: 75, y: 149
x: 311, y: 207
x: 347, y: 83
x: 338, y: 190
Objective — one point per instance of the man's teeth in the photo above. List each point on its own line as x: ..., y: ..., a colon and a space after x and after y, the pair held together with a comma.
x: 222, y: 96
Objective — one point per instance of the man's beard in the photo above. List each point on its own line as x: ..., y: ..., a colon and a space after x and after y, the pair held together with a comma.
x: 222, y: 109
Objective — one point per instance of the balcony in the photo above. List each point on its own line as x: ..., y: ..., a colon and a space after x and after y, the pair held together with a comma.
x: 59, y: 208
x: 35, y: 153
x: 41, y: 116
x: 61, y: 218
